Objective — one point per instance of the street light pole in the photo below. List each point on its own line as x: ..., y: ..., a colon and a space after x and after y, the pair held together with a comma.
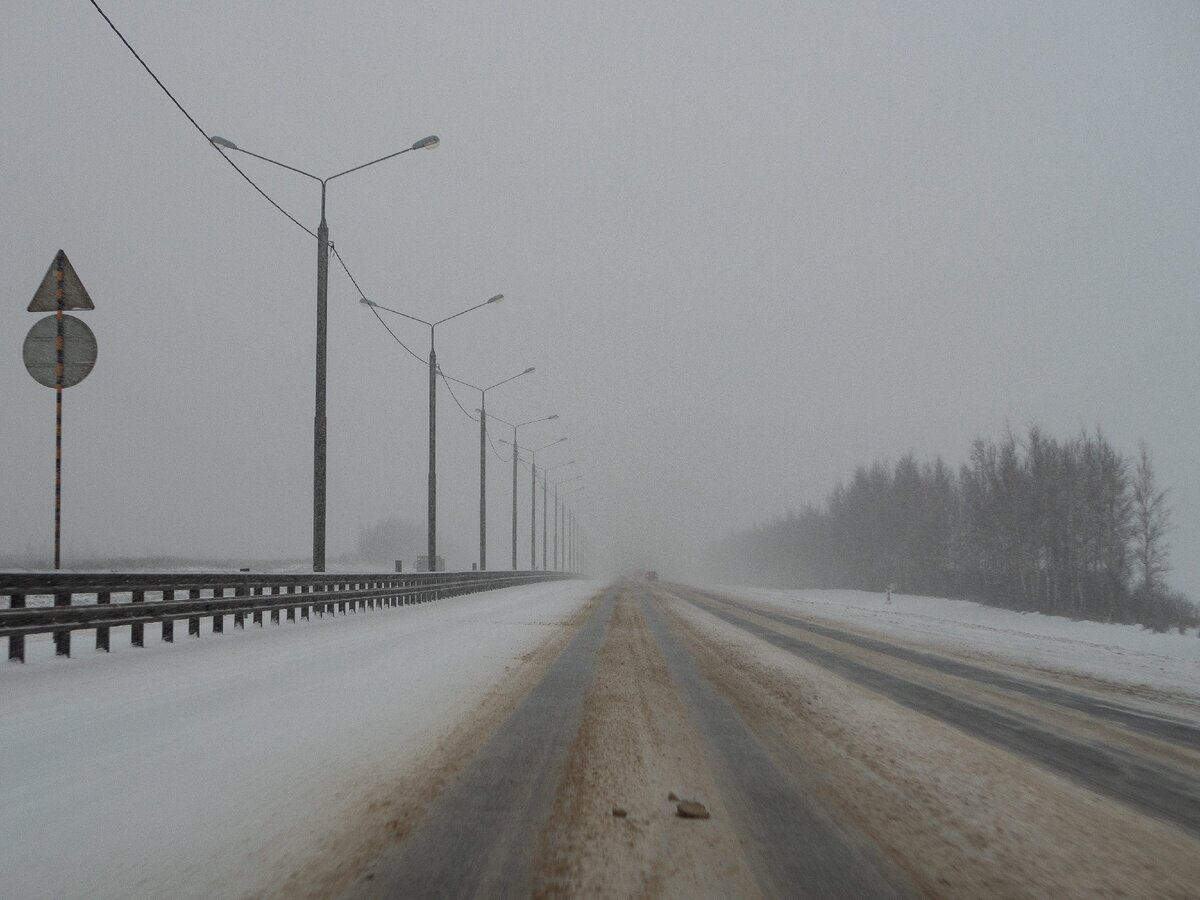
x: 516, y: 449
x: 431, y: 494
x: 319, y: 431
x: 533, y: 513
x: 533, y: 501
x: 562, y: 518
x: 482, y: 410
x: 545, y: 520
x: 431, y: 543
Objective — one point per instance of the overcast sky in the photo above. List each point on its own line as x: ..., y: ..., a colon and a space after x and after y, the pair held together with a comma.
x: 747, y: 247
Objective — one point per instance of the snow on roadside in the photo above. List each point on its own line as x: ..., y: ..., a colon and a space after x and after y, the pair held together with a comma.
x: 1127, y: 655
x: 189, y: 770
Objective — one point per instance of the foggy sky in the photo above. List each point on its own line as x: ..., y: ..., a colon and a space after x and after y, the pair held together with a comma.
x: 747, y: 247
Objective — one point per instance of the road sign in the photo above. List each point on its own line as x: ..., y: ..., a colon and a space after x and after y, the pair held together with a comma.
x: 74, y: 294
x: 41, y: 351
x: 59, y: 352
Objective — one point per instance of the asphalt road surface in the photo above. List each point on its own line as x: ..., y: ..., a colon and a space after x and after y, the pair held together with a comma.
x: 829, y: 763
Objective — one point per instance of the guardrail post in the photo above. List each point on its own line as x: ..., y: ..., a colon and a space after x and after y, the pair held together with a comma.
x: 239, y: 618
x: 258, y: 592
x: 62, y: 639
x: 102, y: 599
x: 291, y: 610
x: 137, y: 635
x: 168, y: 625
x: 16, y: 643
x: 194, y: 621
x: 218, y: 614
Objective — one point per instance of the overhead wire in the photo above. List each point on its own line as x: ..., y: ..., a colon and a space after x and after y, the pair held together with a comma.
x: 396, y: 338
x: 494, y: 450
x: 345, y: 268
x: 196, y: 124
x: 455, y: 397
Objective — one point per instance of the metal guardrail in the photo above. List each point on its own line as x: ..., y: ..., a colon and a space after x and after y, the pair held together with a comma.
x: 69, y: 602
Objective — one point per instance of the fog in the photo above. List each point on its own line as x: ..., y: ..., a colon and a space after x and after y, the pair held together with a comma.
x: 746, y: 248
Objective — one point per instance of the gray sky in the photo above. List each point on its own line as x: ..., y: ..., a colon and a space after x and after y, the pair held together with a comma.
x: 748, y: 246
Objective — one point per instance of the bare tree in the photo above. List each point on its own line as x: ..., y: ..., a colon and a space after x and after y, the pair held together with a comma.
x: 1152, y: 515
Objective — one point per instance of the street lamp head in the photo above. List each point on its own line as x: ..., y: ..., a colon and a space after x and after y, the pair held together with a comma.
x: 365, y: 302
x: 427, y: 142
x: 222, y: 142
x: 527, y: 371
x: 555, y: 416
x: 496, y: 299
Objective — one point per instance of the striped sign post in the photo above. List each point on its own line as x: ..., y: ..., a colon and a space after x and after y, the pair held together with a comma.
x: 59, y: 352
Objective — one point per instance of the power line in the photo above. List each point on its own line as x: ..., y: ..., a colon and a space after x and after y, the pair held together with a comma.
x: 357, y: 287
x: 346, y: 269
x: 452, y: 394
x: 493, y: 445
x: 195, y: 124
x: 397, y: 339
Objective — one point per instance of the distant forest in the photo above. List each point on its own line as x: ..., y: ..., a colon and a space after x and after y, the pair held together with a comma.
x: 1065, y: 527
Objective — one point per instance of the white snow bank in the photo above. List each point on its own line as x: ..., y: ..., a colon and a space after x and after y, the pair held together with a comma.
x: 1123, y: 654
x: 189, y: 770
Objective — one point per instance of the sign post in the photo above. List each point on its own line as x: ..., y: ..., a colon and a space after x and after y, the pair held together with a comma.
x: 59, y: 352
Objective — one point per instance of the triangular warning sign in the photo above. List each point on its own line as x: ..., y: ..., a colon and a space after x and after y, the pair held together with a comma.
x: 74, y: 294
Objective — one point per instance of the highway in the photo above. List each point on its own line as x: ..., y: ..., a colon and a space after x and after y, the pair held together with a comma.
x: 539, y: 740
x: 831, y: 764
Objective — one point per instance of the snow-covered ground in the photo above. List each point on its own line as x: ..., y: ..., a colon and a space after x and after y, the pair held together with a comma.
x: 1126, y: 655
x: 191, y: 769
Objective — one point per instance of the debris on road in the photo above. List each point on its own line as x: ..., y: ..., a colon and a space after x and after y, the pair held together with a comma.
x: 690, y: 809
x: 619, y: 812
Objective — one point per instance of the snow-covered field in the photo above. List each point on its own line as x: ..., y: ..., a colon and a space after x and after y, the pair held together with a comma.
x: 192, y: 769
x: 1126, y: 655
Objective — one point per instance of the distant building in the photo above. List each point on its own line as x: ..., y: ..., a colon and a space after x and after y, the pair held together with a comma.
x: 422, y: 563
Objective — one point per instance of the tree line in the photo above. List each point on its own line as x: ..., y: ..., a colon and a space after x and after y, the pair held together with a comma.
x: 1066, y: 527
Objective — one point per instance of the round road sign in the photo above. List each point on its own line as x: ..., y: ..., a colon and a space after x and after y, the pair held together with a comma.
x: 41, y: 351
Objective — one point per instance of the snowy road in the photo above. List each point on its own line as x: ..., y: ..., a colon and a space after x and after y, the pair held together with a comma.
x: 833, y: 763
x: 535, y: 741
